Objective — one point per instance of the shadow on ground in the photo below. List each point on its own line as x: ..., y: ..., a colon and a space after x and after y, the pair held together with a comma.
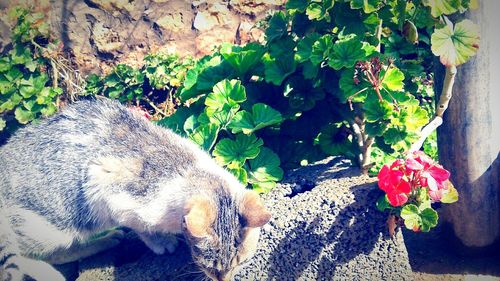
x: 436, y: 253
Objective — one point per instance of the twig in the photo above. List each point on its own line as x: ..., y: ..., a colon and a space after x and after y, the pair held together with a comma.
x: 154, y: 106
x: 442, y: 105
x: 426, y: 131
x: 359, y: 136
x: 449, y: 80
x: 379, y: 35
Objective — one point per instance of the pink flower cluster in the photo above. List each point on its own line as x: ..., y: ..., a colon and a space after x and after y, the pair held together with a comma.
x: 403, y: 177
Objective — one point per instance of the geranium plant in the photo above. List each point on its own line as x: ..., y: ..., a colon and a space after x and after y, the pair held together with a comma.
x: 412, y: 186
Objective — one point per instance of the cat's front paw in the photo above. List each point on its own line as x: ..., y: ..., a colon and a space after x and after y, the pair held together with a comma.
x: 159, y: 242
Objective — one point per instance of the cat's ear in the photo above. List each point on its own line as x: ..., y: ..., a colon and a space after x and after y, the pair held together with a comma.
x: 253, y: 211
x: 199, y: 215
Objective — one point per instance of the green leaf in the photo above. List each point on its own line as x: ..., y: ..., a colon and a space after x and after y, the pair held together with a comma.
x: 227, y: 93
x: 416, y: 117
x: 321, y: 49
x: 333, y: 140
x: 277, y: 27
x: 2, y: 124
x: 349, y: 88
x: 304, y: 46
x: 383, y: 203
x: 277, y: 69
x: 345, y: 53
x: 213, y: 74
x: 440, y: 7
x: 293, y: 6
x: 242, y: 58
x: 450, y: 195
x: 205, y: 136
x: 4, y: 64
x: 429, y: 219
x: 265, y: 167
x: 368, y: 6
x: 48, y: 110
x: 190, y: 124
x: 236, y: 152
x: 411, y: 216
x: 319, y: 11
x: 176, y: 121
x: 393, y: 79
x: 455, y: 45
x: 394, y: 135
x: 240, y: 174
x: 263, y: 187
x: 376, y: 110
x: 23, y: 116
x: 262, y: 116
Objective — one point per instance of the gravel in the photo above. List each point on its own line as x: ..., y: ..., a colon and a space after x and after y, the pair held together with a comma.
x: 325, y: 227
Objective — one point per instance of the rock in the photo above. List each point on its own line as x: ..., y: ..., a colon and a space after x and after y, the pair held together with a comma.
x: 106, y: 40
x: 331, y: 232
x: 103, y: 33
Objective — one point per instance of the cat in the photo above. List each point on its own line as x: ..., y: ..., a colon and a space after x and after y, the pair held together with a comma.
x: 97, y: 165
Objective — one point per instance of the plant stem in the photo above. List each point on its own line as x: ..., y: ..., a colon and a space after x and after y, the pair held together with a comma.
x: 442, y: 105
x: 154, y: 106
x: 379, y: 35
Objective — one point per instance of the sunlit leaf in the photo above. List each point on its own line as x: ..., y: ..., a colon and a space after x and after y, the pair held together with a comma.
x: 236, y: 152
x: 205, y: 136
x: 455, y: 45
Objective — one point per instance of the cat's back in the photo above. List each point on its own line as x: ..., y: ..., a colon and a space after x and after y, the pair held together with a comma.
x: 46, y: 165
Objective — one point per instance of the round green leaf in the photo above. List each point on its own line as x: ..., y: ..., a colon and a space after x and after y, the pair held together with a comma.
x: 277, y: 69
x: 450, y: 195
x: 304, y: 46
x: 429, y: 219
x: 265, y: 167
x: 383, y: 203
x: 263, y: 187
x: 376, y: 110
x: 23, y: 116
x: 411, y: 217
x: 393, y: 79
x: 346, y: 53
x: 277, y: 27
x: 205, y: 136
x: 440, y: 7
x: 293, y: 6
x: 226, y: 92
x: 236, y: 152
x: 455, y: 45
x: 240, y: 174
x: 368, y: 6
x: 333, y: 140
x: 242, y: 58
x: 319, y: 11
x: 262, y: 116
x: 416, y: 117
x: 321, y: 49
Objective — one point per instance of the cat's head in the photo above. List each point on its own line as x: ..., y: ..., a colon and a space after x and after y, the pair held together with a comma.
x: 223, y: 230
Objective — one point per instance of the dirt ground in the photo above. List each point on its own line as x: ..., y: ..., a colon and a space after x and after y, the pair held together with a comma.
x: 433, y: 257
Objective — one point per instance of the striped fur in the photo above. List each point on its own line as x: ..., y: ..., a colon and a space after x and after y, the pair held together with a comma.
x: 97, y: 165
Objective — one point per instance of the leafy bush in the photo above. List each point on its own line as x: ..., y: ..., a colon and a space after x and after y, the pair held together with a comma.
x: 152, y: 85
x: 334, y: 77
x: 25, y: 88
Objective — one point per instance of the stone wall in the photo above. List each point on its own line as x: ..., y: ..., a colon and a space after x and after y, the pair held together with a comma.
x: 102, y: 33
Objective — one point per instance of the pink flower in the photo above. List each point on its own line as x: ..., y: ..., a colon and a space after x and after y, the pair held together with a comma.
x: 392, y: 182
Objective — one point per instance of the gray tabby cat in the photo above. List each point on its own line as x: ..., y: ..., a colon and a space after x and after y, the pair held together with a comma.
x: 98, y: 165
